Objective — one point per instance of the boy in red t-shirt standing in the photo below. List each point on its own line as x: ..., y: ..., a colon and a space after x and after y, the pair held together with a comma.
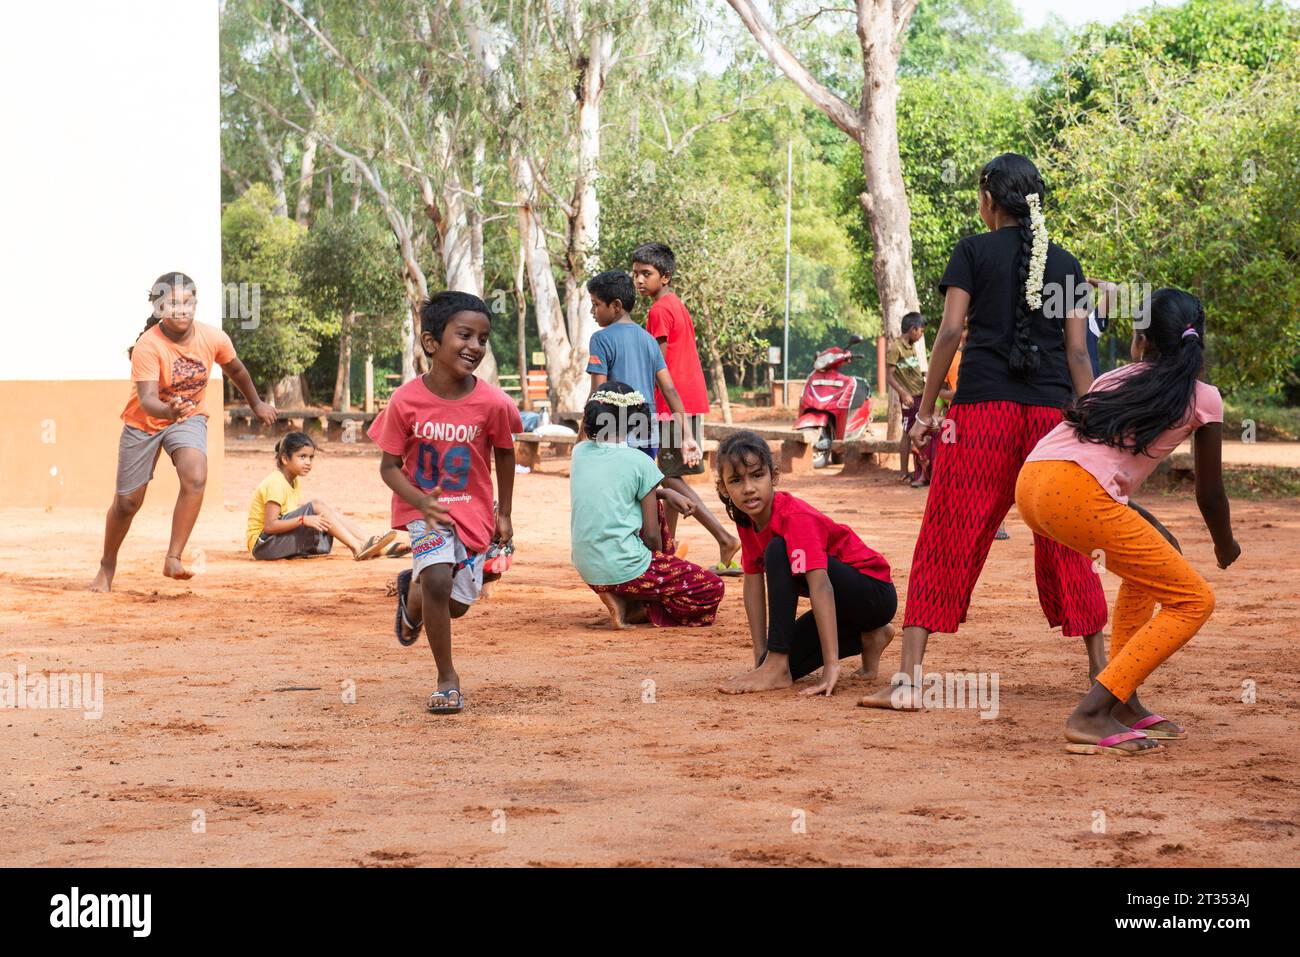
x: 440, y: 435
x: 653, y: 265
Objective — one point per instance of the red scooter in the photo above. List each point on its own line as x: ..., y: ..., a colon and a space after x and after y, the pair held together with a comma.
x: 833, y: 405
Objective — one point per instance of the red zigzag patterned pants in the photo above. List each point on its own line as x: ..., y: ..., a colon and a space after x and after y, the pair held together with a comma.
x: 974, y: 485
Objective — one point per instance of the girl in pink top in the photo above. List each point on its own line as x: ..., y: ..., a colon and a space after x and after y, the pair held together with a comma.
x: 1074, y: 489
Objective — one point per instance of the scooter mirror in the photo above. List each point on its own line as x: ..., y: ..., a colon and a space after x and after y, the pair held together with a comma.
x: 854, y: 340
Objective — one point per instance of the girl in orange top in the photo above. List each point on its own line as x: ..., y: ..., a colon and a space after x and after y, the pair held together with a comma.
x: 171, y: 363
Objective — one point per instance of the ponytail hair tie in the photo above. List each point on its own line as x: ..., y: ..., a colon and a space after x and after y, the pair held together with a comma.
x: 1189, y: 331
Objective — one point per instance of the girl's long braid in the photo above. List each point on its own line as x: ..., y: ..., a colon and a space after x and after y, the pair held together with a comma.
x: 1024, y: 357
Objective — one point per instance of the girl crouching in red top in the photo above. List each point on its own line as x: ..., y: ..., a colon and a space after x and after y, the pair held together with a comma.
x: 788, y: 549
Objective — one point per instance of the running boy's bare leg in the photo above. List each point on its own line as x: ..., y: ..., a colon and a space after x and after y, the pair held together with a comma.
x: 435, y: 605
x: 728, y: 544
x: 116, y: 525
x: 192, y: 469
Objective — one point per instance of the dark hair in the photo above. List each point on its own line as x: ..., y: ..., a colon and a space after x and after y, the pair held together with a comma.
x: 1158, y: 396
x: 441, y: 306
x: 161, y: 288
x: 291, y: 443
x: 738, y: 448
x: 1008, y: 179
x: 597, y: 416
x: 913, y: 320
x: 611, y: 286
x: 657, y: 255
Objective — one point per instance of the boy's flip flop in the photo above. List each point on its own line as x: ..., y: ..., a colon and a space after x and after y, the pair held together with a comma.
x: 374, y: 545
x: 403, y: 589
x: 446, y: 706
x: 732, y: 568
x: 1108, y: 745
x: 397, y: 550
x: 1144, y: 724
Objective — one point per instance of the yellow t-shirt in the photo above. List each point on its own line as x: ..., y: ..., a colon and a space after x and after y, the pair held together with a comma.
x: 274, y: 488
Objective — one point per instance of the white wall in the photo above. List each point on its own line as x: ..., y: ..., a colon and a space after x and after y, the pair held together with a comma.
x: 110, y: 170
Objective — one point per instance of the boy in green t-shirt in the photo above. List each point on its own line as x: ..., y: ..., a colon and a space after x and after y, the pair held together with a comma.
x: 906, y: 377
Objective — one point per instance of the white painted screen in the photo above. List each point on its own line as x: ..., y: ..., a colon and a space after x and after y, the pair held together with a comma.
x: 110, y: 124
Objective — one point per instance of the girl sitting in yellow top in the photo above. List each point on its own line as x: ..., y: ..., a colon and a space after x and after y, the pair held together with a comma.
x: 278, y: 527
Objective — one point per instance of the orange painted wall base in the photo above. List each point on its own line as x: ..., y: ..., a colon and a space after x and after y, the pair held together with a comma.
x: 58, y: 446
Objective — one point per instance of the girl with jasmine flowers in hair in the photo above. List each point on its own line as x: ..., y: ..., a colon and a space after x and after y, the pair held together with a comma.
x: 620, y: 541
x: 1019, y: 369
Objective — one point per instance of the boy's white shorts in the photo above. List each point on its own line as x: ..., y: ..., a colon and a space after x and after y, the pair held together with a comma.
x: 440, y: 546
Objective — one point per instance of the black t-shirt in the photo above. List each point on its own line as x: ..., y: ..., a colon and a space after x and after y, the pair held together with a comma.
x: 986, y: 266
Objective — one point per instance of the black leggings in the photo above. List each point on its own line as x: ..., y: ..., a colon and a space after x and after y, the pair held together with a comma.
x: 862, y: 603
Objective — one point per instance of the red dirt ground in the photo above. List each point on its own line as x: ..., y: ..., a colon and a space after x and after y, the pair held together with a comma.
x: 557, y: 744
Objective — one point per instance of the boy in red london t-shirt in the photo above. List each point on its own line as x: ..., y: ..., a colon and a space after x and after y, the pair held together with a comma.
x: 441, y: 434
x: 653, y: 265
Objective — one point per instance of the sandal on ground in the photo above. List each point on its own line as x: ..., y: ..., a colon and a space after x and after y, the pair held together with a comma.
x: 397, y: 550
x: 440, y: 702
x: 403, y: 590
x: 1109, y: 745
x: 732, y: 568
x: 1155, y: 734
x: 374, y: 545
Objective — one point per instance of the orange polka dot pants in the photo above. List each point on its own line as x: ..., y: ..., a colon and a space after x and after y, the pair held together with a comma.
x: 1063, y: 502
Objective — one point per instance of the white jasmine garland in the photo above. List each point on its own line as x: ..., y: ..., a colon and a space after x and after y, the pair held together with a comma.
x: 1038, y: 254
x: 623, y: 399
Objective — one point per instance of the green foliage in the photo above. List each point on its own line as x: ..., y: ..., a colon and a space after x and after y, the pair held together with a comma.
x: 259, y: 248
x: 726, y: 240
x: 942, y: 150
x: 1192, y: 180
x: 346, y: 265
x: 976, y: 37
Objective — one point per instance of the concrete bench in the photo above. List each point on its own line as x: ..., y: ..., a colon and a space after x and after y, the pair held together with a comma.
x: 858, y: 454
x: 337, y: 426
x: 528, y: 448
x: 528, y: 451
x: 790, y: 447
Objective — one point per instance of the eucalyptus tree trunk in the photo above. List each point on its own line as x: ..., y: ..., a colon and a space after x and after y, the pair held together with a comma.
x: 873, y: 125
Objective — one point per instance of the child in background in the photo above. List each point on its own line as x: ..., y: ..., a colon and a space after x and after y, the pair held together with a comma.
x: 1099, y: 319
x: 653, y: 265
x: 441, y: 434
x: 1074, y: 488
x: 788, y: 549
x: 906, y: 377
x: 171, y: 363
x: 279, y: 527
x: 621, y: 544
x: 622, y: 350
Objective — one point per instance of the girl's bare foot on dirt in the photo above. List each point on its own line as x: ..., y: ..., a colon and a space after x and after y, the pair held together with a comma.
x: 104, y: 580
x: 902, y: 697
x: 616, y: 605
x: 173, y: 568
x: 873, y: 643
x: 772, y: 675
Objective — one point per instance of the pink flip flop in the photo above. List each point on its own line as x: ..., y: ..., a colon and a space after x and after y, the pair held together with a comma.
x: 1142, y: 724
x: 1108, y: 744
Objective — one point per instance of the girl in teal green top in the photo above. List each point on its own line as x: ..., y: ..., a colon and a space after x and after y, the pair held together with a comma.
x: 620, y: 541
